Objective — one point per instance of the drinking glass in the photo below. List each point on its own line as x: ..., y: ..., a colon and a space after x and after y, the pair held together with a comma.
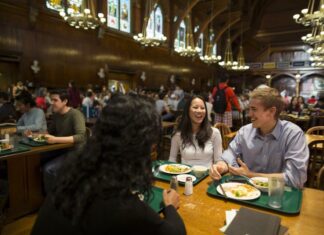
x: 276, y: 191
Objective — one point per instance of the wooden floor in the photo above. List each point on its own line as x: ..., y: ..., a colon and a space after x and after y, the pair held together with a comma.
x: 22, y: 226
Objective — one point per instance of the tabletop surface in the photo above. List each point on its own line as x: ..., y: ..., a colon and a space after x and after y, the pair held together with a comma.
x: 203, y: 214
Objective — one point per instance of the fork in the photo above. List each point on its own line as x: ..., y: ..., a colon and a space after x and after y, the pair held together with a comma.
x: 218, y: 182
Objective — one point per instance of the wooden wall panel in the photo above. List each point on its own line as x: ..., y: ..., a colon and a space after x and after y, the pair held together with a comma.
x: 65, y: 53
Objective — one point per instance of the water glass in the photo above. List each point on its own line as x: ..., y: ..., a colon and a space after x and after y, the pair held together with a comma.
x: 276, y: 191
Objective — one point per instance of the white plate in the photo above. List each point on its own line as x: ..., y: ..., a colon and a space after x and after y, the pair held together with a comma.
x: 182, y: 178
x: 36, y: 140
x: 261, y: 179
x: 10, y: 147
x: 183, y: 169
x: 252, y: 192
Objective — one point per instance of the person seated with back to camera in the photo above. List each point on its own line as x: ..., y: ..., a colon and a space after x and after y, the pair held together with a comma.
x: 268, y: 147
x: 7, y: 109
x: 33, y: 118
x: 198, y: 142
x: 101, y: 188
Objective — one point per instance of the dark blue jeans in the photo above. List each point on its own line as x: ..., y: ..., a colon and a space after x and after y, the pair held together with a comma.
x: 52, y: 163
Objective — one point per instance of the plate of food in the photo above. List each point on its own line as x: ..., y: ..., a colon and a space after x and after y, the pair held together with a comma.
x: 39, y: 138
x: 183, y: 177
x: 261, y: 183
x: 175, y: 169
x: 239, y: 191
x: 5, y: 146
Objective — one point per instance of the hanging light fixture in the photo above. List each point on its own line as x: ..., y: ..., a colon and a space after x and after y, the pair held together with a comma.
x: 149, y: 38
x: 82, y: 14
x: 309, y: 17
x: 317, y: 35
x: 210, y: 57
x: 189, y: 50
x: 315, y: 19
x: 240, y: 58
x: 228, y: 62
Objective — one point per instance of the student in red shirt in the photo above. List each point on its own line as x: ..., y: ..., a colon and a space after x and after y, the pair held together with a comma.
x: 231, y: 98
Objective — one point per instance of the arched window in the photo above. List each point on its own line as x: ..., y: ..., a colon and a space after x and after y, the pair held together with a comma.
x: 180, y: 41
x: 215, y: 49
x: 56, y: 5
x: 119, y: 14
x: 200, y: 44
x: 155, y: 24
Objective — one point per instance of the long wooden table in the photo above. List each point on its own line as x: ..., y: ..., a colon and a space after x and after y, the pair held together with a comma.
x: 203, y: 214
x: 25, y: 181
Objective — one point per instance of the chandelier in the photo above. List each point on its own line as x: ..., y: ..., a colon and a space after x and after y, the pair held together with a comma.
x: 240, y: 64
x: 189, y: 50
x: 317, y: 35
x: 228, y: 62
x: 81, y: 14
x: 309, y: 17
x: 315, y: 19
x: 210, y: 57
x: 149, y: 37
x: 240, y: 57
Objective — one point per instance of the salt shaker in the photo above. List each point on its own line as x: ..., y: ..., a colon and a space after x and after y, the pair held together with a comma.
x: 188, y: 186
x: 174, y: 183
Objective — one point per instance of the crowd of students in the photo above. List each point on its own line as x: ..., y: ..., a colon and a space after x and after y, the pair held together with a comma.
x: 94, y: 189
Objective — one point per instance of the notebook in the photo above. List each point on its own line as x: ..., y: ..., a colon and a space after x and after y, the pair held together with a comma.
x: 252, y: 222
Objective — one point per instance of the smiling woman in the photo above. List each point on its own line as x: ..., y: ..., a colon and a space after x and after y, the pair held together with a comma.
x: 198, y: 142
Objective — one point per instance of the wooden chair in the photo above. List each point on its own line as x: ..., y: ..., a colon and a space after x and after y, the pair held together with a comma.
x: 154, y: 152
x: 320, y: 179
x: 166, y: 139
x: 287, y: 117
x: 316, y: 130
x: 224, y: 130
x: 316, y: 162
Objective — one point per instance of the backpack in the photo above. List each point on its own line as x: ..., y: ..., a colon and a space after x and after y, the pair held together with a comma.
x: 220, y: 102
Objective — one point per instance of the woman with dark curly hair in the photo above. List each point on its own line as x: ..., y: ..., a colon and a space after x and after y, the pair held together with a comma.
x: 98, y: 191
x: 198, y: 142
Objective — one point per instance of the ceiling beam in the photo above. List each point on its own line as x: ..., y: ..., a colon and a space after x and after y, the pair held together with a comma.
x: 229, y: 23
x: 218, y: 9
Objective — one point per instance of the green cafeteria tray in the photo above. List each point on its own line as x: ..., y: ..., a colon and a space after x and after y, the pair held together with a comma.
x: 292, y: 199
x: 32, y: 143
x: 167, y: 177
x: 17, y: 149
x: 156, y: 199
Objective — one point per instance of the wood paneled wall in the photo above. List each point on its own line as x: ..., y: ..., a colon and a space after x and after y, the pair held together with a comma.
x: 33, y: 32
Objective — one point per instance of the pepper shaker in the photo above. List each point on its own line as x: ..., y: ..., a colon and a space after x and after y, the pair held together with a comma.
x: 174, y: 183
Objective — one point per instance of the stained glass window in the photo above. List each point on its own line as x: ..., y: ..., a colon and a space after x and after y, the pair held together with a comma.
x: 155, y: 24
x: 215, y: 49
x: 56, y: 5
x: 200, y: 43
x: 181, y: 36
x: 119, y: 16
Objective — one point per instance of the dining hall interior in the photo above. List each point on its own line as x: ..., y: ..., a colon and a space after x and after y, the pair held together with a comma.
x: 161, y: 116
